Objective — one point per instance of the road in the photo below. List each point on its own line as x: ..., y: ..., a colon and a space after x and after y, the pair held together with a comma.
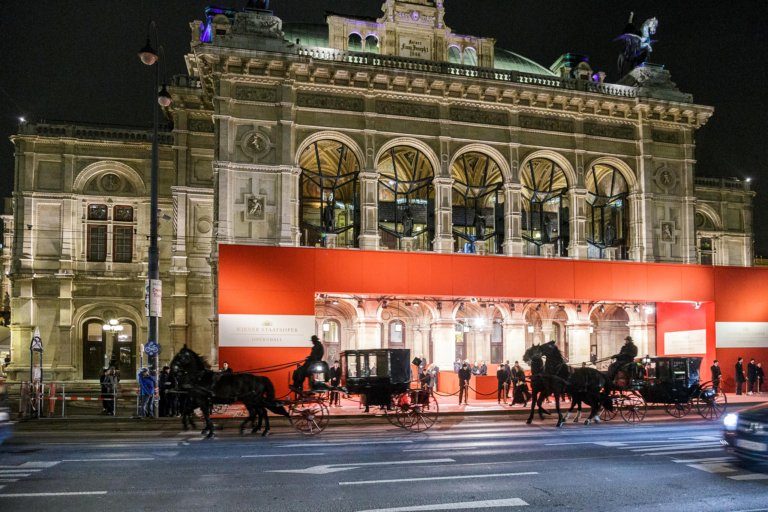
x: 470, y: 463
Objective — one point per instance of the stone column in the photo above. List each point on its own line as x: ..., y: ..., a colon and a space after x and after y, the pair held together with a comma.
x: 577, y: 248
x: 443, y: 215
x: 368, y: 334
x: 514, y: 340
x: 644, y: 336
x: 513, y: 239
x: 443, y: 343
x: 369, y: 214
x: 547, y: 330
x: 578, y: 342
x: 637, y: 209
x: 288, y: 220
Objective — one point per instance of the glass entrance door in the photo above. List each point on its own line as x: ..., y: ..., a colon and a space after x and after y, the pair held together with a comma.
x: 93, y: 349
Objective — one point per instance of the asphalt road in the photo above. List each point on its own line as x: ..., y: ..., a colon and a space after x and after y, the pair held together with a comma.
x: 473, y: 463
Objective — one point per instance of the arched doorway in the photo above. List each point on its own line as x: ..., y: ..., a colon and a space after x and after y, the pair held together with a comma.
x: 607, y: 212
x: 406, y: 198
x: 478, y: 203
x: 329, y: 194
x: 609, y: 328
x: 102, y: 349
x: 331, y: 339
x: 545, y: 211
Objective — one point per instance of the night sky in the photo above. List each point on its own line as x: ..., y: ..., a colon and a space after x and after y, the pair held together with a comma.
x: 76, y: 60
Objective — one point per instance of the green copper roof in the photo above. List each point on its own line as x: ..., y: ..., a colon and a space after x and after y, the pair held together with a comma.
x: 311, y: 34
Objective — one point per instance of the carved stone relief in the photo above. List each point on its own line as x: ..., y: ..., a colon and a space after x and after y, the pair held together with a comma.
x: 331, y: 102
x: 612, y: 131
x: 262, y: 94
x: 256, y: 144
x: 468, y: 115
x: 665, y: 179
x: 546, y: 123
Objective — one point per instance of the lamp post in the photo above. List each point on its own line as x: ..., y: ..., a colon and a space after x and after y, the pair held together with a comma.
x: 150, y: 57
x: 113, y: 327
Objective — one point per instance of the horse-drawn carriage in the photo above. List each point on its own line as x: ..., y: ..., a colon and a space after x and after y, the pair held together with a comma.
x: 381, y: 377
x: 670, y: 381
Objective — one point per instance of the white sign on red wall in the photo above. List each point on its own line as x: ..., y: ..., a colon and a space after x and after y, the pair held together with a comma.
x: 266, y: 330
x: 685, y: 342
x: 741, y: 334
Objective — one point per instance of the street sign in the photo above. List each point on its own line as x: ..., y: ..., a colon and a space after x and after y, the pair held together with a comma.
x: 152, y: 348
x: 153, y: 297
x: 37, y: 342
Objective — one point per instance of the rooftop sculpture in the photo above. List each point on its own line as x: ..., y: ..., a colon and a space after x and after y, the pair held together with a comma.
x: 637, y: 44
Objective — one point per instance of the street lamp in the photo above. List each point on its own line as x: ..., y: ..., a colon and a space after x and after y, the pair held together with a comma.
x: 114, y: 327
x: 150, y: 57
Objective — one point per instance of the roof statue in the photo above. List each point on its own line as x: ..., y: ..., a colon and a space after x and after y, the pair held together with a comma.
x: 637, y: 44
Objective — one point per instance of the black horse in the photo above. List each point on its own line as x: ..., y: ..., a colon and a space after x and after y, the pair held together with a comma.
x: 585, y: 385
x: 204, y: 388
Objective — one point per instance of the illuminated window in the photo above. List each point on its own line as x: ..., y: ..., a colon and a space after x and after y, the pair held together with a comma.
x: 406, y: 198
x: 545, y: 207
x: 454, y: 55
x: 470, y: 57
x: 497, y: 342
x: 372, y: 44
x: 608, y: 219
x: 461, y: 340
x: 100, y: 227
x: 396, y: 332
x: 478, y: 203
x: 355, y: 42
x: 329, y: 198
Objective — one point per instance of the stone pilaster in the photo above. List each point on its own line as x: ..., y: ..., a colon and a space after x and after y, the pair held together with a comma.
x: 444, y: 343
x: 638, y: 206
x: 577, y: 248
x: 369, y: 237
x: 288, y: 219
x: 443, y: 215
x: 514, y: 340
x: 578, y: 342
x: 513, y: 239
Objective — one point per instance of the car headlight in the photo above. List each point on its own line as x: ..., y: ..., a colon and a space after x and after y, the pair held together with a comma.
x: 730, y: 421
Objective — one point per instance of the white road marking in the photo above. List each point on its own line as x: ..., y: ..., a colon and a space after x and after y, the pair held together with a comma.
x: 714, y: 467
x: 109, y: 460
x: 46, y: 464
x: 47, y: 494
x: 335, y: 468
x: 8, y: 480
x: 706, y: 459
x: 351, y: 442
x: 282, y: 455
x: 672, y: 447
x: 509, y: 502
x: 696, y: 450
x: 750, y: 476
x: 424, y: 479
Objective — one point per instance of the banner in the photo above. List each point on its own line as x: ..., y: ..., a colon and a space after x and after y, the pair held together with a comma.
x: 266, y: 330
x: 157, y: 298
x: 741, y: 334
x: 685, y: 342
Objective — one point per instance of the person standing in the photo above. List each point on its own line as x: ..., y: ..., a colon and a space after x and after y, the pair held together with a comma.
x: 225, y: 369
x: 716, y: 374
x: 423, y: 378
x: 434, y: 373
x: 751, y: 376
x: 465, y: 374
x: 739, y: 375
x: 509, y: 380
x: 760, y: 377
x: 501, y: 383
x: 335, y: 379
x: 146, y: 393
x: 520, y: 394
x: 104, y: 391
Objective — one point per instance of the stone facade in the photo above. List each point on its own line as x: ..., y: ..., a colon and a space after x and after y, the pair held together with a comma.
x: 399, y: 145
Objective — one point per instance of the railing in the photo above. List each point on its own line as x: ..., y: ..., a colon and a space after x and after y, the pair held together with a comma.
x: 729, y: 183
x: 94, y: 132
x: 427, y: 66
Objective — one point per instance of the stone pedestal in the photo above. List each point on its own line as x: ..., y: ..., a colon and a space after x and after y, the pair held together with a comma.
x: 330, y: 240
x: 408, y: 243
x: 481, y: 247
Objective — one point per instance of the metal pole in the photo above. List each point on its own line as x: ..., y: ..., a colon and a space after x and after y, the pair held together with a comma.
x: 153, y: 257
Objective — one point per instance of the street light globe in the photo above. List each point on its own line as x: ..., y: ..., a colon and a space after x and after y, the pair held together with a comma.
x: 164, y: 97
x: 147, y: 54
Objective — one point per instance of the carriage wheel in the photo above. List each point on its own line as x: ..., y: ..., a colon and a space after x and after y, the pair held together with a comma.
x: 710, y: 404
x: 633, y: 408
x: 678, y: 410
x: 607, y: 415
x: 309, y: 417
x: 416, y: 410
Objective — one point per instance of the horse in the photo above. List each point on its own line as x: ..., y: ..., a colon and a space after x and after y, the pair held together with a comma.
x: 637, y: 47
x: 582, y: 384
x: 540, y: 388
x: 204, y: 388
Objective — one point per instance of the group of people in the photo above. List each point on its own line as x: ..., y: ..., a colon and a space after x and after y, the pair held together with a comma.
x: 478, y: 368
x: 754, y: 377
x: 508, y: 379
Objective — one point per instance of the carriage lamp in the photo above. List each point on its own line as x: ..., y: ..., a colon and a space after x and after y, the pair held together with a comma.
x: 647, y: 359
x: 317, y: 367
x: 730, y: 421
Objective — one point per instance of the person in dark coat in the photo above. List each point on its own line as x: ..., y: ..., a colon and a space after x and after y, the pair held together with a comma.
x: 760, y: 377
x: 483, y: 370
x: 424, y: 378
x: 508, y: 384
x: 315, y: 355
x: 104, y: 391
x: 626, y: 355
x: 225, y: 369
x: 739, y: 376
x: 520, y: 393
x: 334, y: 374
x: 465, y: 374
x: 751, y: 376
x: 502, y: 376
x: 716, y: 374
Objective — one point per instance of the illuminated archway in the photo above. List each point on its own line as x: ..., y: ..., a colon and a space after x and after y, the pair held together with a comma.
x: 545, y: 207
x: 607, y: 212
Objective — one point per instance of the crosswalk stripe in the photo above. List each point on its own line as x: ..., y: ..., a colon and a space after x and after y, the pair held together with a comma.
x: 750, y: 476
x: 510, y: 502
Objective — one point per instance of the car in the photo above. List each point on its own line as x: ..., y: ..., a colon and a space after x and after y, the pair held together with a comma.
x: 746, y: 435
x: 6, y: 426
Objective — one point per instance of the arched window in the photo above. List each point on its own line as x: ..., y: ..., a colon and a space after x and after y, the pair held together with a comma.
x: 607, y: 212
x: 396, y: 333
x: 497, y: 341
x: 372, y: 44
x: 470, y: 57
x: 406, y: 198
x: 329, y: 198
x: 545, y: 208
x: 454, y: 55
x: 478, y: 203
x: 355, y: 42
x: 331, y: 339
